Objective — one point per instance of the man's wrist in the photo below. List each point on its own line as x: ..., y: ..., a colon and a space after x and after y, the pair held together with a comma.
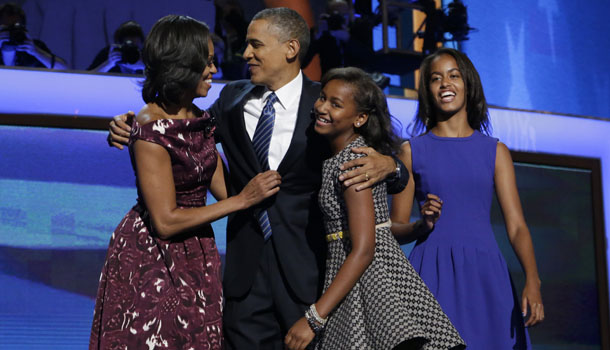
x: 396, y: 171
x: 422, y: 228
x: 399, y: 178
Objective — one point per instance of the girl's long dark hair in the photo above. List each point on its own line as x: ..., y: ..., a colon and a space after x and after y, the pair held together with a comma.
x: 378, y: 131
x: 476, y: 105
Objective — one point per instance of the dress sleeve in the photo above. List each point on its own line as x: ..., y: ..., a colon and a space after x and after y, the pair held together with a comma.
x: 155, y: 132
x: 347, y: 155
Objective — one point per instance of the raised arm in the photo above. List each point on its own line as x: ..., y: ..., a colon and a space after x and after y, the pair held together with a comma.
x: 518, y: 233
x: 153, y: 166
x: 39, y: 50
x: 361, y: 219
x: 112, y: 57
x: 373, y: 168
x: 402, y: 204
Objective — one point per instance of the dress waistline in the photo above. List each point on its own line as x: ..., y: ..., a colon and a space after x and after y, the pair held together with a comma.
x: 335, y: 236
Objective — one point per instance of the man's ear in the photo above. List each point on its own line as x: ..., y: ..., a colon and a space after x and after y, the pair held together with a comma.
x: 294, y: 47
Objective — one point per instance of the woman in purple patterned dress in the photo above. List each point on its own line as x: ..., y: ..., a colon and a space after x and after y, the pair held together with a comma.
x: 160, y: 286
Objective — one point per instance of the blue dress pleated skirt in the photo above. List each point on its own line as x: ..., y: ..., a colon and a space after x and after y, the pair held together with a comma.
x: 460, y: 260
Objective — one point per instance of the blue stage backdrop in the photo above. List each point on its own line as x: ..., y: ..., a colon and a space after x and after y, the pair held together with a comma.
x: 63, y: 191
x: 546, y: 55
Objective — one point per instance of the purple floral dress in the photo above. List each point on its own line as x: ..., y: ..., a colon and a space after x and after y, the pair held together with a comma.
x: 164, y: 294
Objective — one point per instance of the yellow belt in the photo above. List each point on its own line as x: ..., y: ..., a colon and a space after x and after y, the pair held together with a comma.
x: 335, y: 236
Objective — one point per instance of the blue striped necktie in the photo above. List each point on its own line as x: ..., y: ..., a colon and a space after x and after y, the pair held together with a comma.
x: 261, y: 141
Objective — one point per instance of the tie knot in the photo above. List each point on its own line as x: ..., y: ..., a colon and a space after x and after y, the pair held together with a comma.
x: 271, y: 99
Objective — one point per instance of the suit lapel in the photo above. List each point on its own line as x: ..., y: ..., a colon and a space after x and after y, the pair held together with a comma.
x: 309, y: 94
x: 238, y: 128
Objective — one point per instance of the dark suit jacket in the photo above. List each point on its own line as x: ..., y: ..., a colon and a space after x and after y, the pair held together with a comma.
x: 298, y: 234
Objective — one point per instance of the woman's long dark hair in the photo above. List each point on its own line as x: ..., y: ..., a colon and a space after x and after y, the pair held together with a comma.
x: 175, y: 55
x: 476, y: 105
x: 378, y: 131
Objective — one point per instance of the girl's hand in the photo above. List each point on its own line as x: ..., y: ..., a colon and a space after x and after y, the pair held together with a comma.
x: 532, y: 298
x: 431, y: 211
x: 299, y: 335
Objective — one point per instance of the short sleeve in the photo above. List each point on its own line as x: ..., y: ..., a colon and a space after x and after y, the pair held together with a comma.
x: 346, y: 154
x: 349, y: 155
x: 155, y: 132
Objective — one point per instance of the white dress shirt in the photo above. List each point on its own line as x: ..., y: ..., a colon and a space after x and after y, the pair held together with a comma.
x: 286, y: 110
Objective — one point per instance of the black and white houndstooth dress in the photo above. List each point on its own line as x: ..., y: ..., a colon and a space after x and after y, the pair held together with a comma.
x: 390, y: 304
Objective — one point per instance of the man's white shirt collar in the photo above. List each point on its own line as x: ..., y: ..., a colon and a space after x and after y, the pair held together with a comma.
x: 288, y: 93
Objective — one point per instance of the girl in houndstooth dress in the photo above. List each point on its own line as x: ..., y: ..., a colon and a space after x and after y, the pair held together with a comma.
x: 373, y: 298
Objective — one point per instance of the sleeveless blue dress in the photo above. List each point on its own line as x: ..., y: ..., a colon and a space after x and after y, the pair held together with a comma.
x: 460, y: 260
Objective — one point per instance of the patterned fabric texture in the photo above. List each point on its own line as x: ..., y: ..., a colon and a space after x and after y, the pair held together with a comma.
x: 389, y: 305
x: 164, y: 294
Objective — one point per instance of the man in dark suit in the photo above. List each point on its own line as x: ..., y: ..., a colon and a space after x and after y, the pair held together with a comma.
x: 273, y: 268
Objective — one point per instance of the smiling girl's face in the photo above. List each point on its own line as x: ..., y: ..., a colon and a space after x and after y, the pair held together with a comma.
x: 447, y: 88
x: 336, y: 111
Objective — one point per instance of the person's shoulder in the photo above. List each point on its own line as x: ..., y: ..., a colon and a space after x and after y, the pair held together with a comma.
x: 238, y: 84
x: 149, y: 113
x: 489, y: 140
x: 486, y: 136
x: 235, y: 88
x: 501, y: 147
x: 312, y: 87
x: 405, y: 147
x: 416, y: 140
x: 347, y: 154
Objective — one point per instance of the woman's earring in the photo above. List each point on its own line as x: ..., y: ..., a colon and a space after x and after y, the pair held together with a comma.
x: 358, y: 124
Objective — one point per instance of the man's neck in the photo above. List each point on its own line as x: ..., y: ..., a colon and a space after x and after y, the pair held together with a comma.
x: 286, y: 78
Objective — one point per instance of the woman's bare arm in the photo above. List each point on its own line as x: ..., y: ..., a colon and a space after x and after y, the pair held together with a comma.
x: 218, y: 186
x: 361, y: 219
x: 153, y: 166
x: 518, y: 233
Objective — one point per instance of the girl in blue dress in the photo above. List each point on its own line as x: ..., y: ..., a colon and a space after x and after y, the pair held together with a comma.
x: 455, y: 167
